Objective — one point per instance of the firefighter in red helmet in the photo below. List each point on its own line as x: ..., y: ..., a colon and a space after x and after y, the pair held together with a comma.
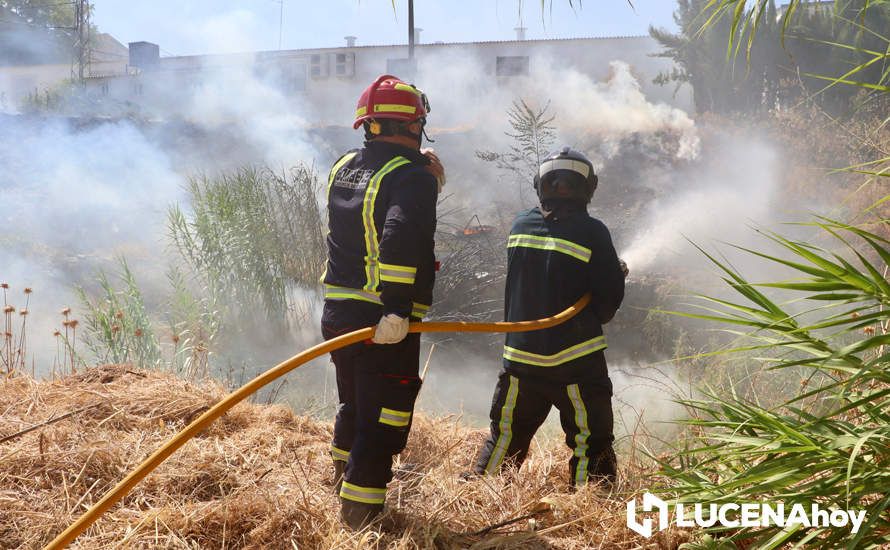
x: 380, y: 272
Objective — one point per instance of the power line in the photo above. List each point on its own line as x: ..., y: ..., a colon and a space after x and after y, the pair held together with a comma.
x: 38, y: 8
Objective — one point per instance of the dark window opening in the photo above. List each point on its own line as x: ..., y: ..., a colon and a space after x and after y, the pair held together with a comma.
x: 317, y: 66
x: 512, y: 65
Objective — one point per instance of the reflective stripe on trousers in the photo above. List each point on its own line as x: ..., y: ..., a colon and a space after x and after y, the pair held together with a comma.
x: 339, y: 454
x: 357, y: 493
x: 394, y: 418
x: 505, y: 427
x: 581, y: 439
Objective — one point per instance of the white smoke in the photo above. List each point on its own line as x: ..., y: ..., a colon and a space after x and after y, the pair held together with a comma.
x: 470, y: 107
x: 85, y: 190
x: 256, y: 109
x: 722, y: 199
x: 644, y: 400
x: 80, y: 191
x: 72, y: 201
x: 78, y: 196
x: 617, y: 108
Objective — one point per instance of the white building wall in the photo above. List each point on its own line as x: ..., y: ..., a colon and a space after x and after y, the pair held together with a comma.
x: 18, y: 82
x: 443, y: 71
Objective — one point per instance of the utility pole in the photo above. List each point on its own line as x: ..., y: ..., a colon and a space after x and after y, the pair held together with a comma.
x: 81, y: 54
x: 280, y: 22
x: 410, y: 29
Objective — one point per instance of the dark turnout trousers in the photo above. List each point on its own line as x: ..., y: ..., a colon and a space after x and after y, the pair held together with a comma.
x: 377, y: 386
x: 520, y: 406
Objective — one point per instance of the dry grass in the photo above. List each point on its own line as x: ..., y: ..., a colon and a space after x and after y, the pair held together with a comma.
x: 260, y: 477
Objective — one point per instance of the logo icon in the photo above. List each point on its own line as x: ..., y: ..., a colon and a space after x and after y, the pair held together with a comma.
x: 651, y: 503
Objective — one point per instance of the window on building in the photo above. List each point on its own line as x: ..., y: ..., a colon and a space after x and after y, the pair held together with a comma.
x: 344, y: 64
x: 512, y: 65
x: 318, y: 65
x: 341, y: 64
x: 105, y: 88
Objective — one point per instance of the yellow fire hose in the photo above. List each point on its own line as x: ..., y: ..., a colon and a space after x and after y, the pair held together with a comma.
x: 199, y: 424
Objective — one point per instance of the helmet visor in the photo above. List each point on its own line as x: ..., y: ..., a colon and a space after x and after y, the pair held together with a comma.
x: 564, y: 184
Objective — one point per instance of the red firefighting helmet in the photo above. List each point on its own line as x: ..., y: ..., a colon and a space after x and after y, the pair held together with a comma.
x: 390, y: 98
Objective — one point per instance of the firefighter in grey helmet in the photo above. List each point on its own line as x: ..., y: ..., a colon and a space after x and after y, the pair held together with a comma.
x: 556, y: 253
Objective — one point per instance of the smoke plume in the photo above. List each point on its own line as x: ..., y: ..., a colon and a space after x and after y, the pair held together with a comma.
x: 77, y: 193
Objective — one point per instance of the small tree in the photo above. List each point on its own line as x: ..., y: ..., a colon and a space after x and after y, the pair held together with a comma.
x: 45, y: 13
x: 773, y: 58
x: 533, y: 135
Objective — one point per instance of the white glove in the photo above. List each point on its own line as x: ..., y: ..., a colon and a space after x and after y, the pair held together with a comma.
x: 391, y: 329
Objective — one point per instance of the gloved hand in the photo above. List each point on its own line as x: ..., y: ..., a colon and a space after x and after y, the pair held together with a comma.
x: 624, y: 268
x: 391, y: 329
x: 435, y: 167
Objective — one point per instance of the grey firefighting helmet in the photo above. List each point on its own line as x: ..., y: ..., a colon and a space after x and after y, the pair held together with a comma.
x: 571, y: 167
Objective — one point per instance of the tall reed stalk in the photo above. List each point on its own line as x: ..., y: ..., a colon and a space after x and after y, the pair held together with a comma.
x: 250, y: 237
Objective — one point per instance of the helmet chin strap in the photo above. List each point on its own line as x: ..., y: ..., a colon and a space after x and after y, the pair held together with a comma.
x: 403, y: 130
x: 428, y: 138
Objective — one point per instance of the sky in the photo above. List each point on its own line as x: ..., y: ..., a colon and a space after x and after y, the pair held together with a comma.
x: 184, y: 27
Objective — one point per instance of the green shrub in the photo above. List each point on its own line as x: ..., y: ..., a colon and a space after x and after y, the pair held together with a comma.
x: 830, y: 444
x: 118, y: 327
x: 250, y: 237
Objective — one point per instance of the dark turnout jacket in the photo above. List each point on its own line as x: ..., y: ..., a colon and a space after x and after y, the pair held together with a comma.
x: 381, y: 221
x: 553, y: 261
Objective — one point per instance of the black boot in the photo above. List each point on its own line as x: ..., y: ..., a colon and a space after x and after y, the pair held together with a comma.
x: 603, y: 470
x: 467, y: 476
x: 604, y: 466
x: 339, y: 471
x: 358, y: 515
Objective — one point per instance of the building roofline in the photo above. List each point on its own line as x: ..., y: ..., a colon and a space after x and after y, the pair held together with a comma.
x: 274, y: 53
